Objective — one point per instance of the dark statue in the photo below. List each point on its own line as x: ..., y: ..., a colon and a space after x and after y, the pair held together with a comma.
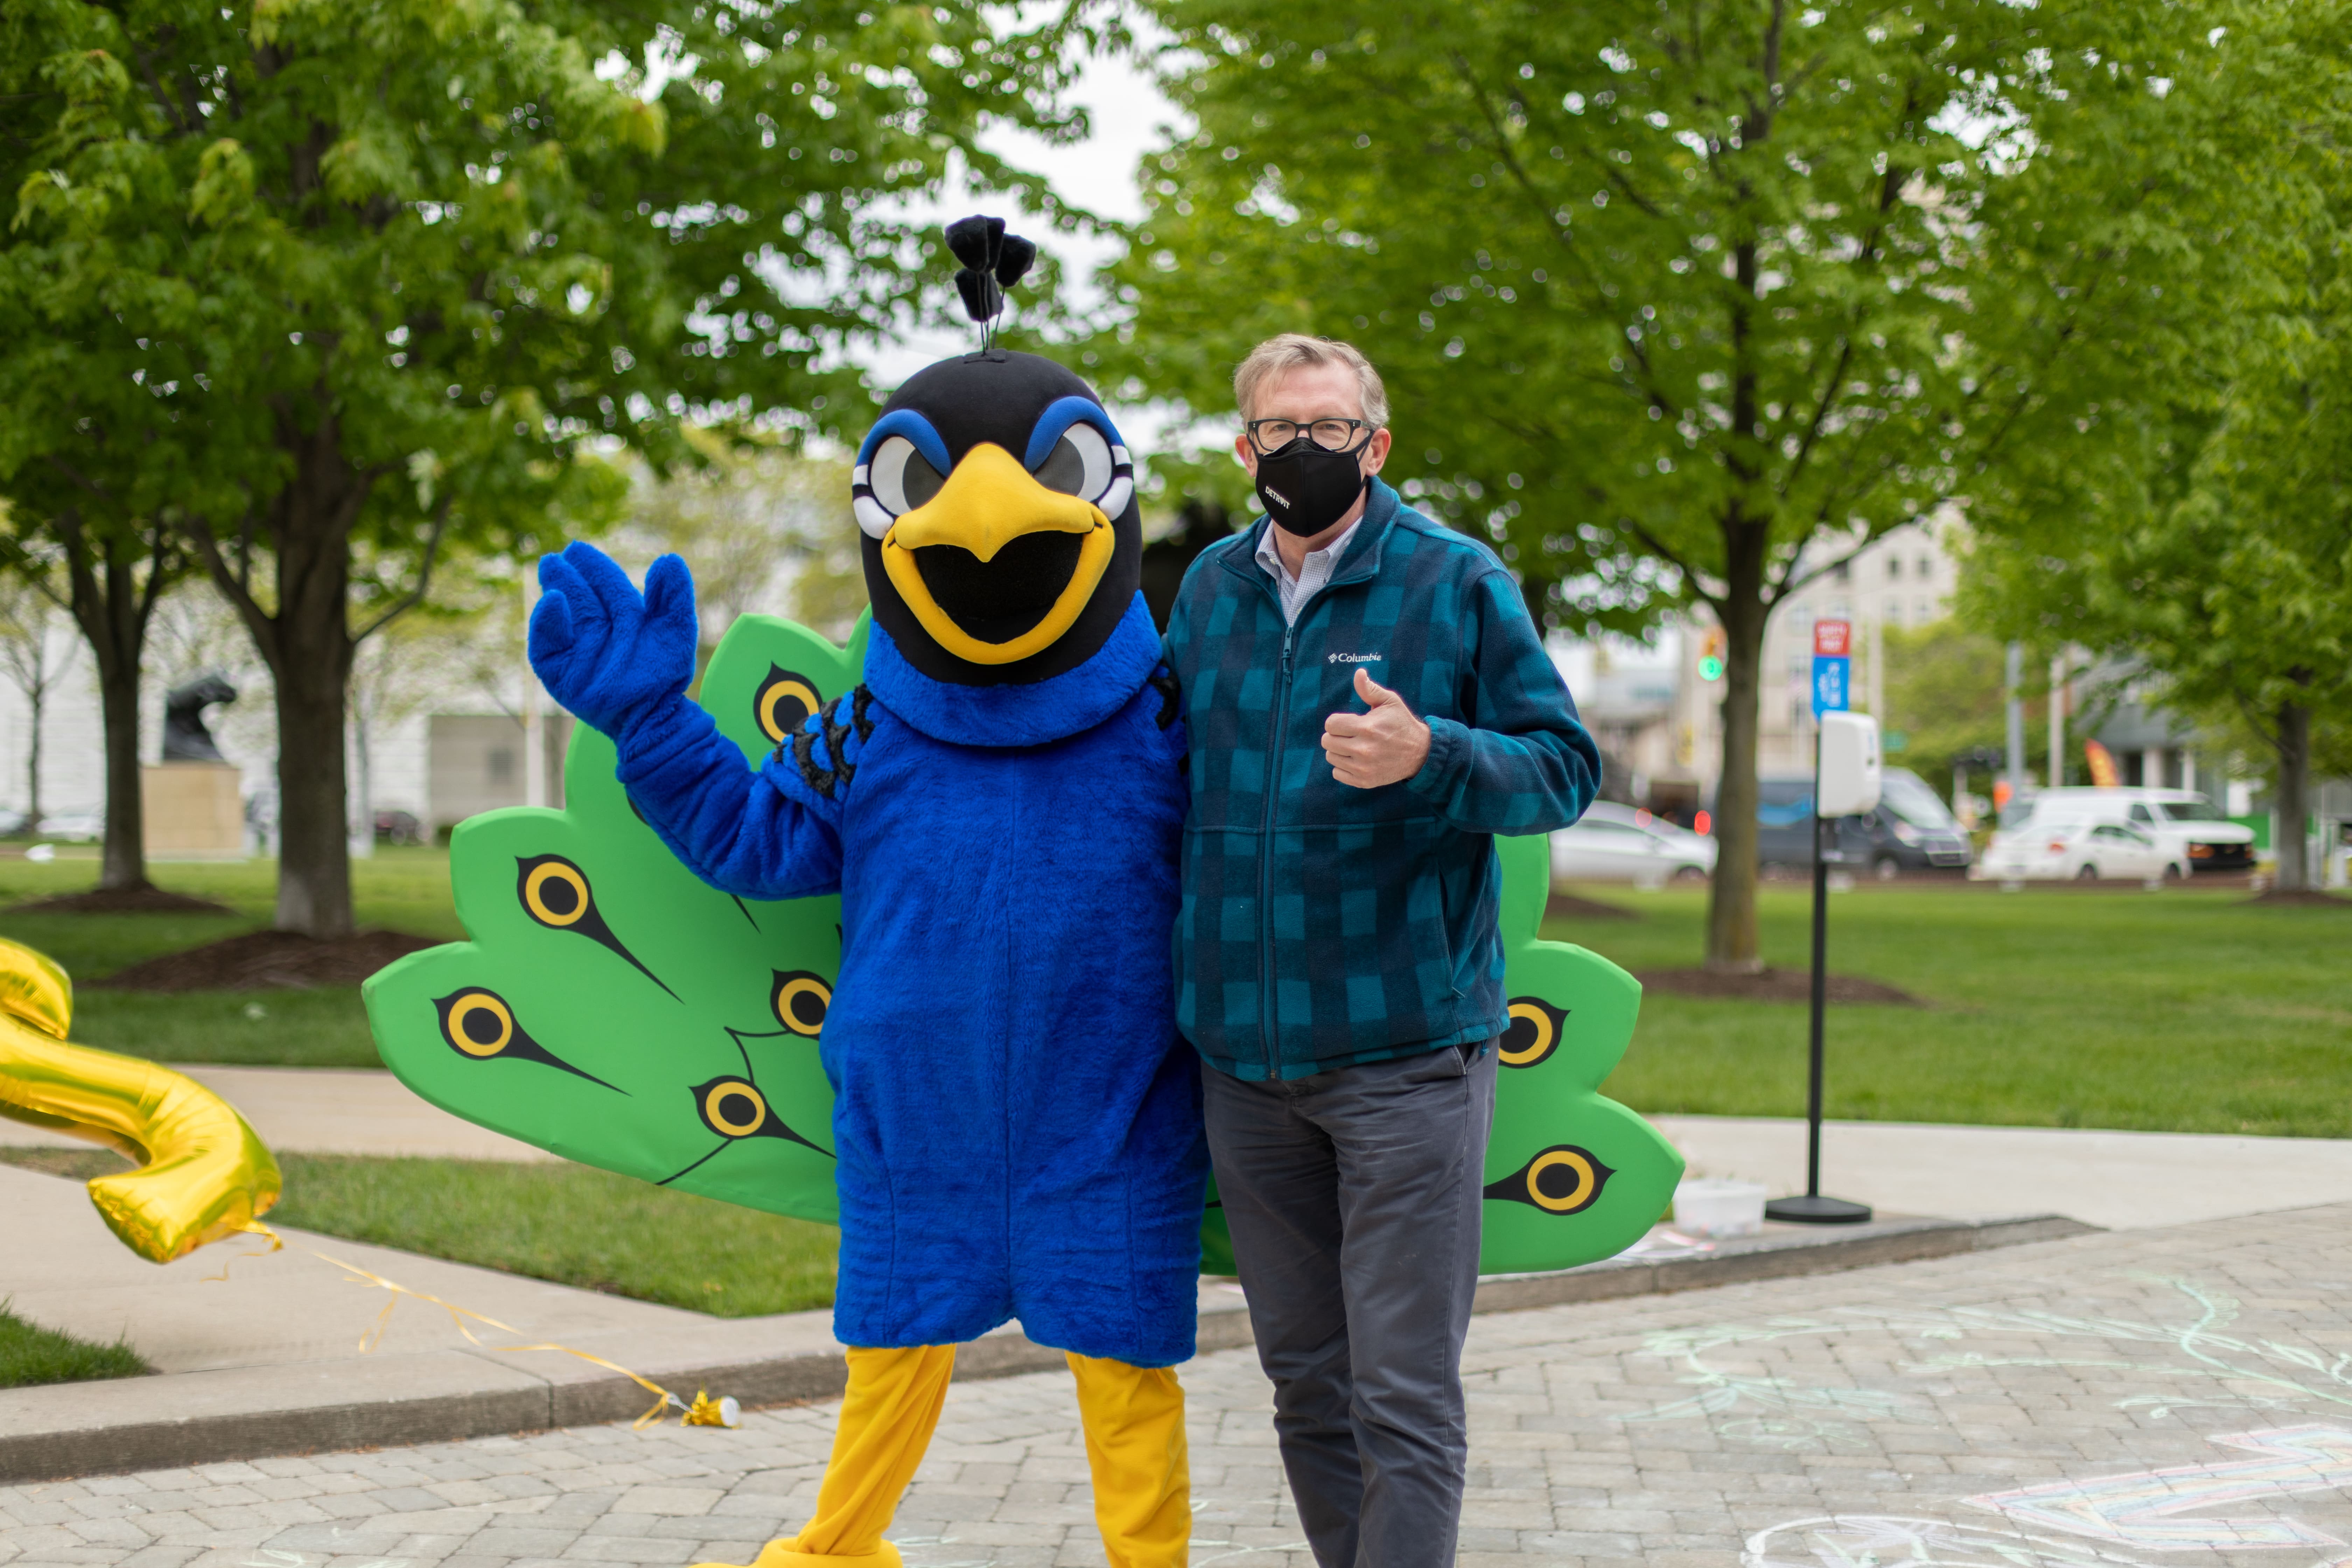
x: 185, y: 738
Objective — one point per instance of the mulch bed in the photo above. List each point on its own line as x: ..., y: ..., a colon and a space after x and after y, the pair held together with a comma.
x: 120, y: 901
x: 1568, y: 906
x: 269, y: 961
x: 1771, y: 985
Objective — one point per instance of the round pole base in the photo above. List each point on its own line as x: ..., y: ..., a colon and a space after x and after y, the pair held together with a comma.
x: 1817, y: 1211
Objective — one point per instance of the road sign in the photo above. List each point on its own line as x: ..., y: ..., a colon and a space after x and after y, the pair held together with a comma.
x: 1832, y: 639
x: 1831, y: 683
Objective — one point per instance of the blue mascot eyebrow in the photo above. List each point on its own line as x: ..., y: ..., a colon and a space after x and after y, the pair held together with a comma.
x: 916, y: 428
x: 1058, y: 417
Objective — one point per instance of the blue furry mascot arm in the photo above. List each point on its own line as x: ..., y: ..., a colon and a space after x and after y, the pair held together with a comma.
x: 621, y: 663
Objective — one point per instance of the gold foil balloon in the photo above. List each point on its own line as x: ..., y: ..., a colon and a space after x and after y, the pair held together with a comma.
x: 203, y: 1175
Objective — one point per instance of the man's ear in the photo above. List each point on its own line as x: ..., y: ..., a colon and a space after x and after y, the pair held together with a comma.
x: 1376, y: 451
x: 1246, y: 453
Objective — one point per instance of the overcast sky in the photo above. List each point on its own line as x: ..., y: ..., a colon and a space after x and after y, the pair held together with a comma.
x: 1129, y: 116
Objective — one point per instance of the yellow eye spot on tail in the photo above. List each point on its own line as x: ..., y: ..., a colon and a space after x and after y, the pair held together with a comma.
x: 734, y: 1108
x: 1534, y: 1031
x: 555, y: 892
x: 784, y: 702
x: 1560, y: 1180
x: 801, y: 1001
x: 477, y: 1023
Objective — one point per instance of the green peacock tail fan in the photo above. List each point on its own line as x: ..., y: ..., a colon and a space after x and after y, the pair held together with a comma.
x: 611, y: 1008
x: 1572, y: 1177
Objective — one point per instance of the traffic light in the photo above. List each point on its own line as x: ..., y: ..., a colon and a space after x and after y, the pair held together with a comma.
x: 1710, y: 654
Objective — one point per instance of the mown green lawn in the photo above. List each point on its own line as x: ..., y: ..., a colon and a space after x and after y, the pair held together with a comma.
x: 2179, y: 1010
x: 404, y: 890
x: 2175, y: 1010
x: 30, y: 1355
x: 565, y: 1223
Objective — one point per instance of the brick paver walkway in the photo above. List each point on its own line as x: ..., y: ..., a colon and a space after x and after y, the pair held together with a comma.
x: 2008, y: 1410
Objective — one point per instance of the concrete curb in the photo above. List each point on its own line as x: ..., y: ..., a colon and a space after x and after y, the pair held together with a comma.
x: 208, y: 1417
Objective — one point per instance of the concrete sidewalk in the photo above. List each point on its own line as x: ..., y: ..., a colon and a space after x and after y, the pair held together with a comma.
x: 267, y: 1360
x: 2167, y: 1396
x: 2116, y: 1181
x: 330, y: 1111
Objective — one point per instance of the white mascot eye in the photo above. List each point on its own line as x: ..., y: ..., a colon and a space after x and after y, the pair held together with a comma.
x: 1079, y: 464
x: 899, y: 479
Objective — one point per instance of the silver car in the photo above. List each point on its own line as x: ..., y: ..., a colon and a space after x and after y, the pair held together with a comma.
x: 1614, y: 843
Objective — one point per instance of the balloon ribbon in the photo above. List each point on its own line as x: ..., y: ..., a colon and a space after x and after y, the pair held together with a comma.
x: 704, y: 1411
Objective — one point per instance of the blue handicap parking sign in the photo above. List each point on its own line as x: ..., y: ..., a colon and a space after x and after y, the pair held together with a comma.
x: 1831, y: 685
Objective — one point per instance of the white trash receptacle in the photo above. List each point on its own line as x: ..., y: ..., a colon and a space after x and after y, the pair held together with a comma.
x: 1720, y: 1209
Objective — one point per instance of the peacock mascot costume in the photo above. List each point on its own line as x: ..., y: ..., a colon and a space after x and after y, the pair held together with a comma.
x: 880, y: 936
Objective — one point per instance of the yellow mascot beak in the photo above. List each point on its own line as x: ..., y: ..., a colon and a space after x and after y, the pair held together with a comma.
x: 989, y: 501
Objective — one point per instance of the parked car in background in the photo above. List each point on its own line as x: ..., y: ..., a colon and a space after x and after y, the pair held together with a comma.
x: 1612, y: 842
x: 2191, y: 829
x: 1911, y: 830
x: 2056, y: 846
x: 398, y: 827
x: 74, y: 827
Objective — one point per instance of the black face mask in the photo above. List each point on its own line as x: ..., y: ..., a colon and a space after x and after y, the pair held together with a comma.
x: 1306, y: 489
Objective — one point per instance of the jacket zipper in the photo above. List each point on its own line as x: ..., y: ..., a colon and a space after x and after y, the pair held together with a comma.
x: 1274, y: 749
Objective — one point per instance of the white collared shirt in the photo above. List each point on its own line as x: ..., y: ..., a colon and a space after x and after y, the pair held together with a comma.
x: 1312, y: 575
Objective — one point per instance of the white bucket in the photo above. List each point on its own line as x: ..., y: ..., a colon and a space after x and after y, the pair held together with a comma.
x: 1717, y: 1208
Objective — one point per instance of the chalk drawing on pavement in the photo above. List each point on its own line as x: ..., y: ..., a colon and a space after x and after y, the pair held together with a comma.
x: 2152, y: 1510
x: 2203, y: 1365
x: 2098, y: 1522
x: 1893, y: 1541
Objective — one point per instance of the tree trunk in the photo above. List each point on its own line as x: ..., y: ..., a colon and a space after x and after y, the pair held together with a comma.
x: 112, y: 607
x: 314, y: 864
x: 37, y: 701
x: 1731, y: 944
x: 122, y: 863
x: 2292, y: 840
x: 362, y: 823
x: 307, y: 642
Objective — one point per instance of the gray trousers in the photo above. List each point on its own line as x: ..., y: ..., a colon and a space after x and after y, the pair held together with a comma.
x: 1353, y: 1197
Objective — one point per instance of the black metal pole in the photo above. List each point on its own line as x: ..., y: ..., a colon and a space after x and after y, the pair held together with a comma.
x: 1820, y: 989
x: 1813, y: 1208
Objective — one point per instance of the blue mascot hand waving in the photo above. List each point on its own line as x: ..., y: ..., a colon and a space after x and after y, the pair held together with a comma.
x: 605, y: 652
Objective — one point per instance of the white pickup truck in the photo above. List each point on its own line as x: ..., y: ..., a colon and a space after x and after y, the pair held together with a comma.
x: 2177, y: 819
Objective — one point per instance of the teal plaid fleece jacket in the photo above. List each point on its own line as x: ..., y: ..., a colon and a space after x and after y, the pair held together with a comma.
x: 1323, y: 925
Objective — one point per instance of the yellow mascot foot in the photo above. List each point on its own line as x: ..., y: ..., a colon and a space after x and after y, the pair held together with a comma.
x: 787, y: 1554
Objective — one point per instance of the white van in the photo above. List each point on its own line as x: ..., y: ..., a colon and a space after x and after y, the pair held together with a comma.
x: 2179, y: 819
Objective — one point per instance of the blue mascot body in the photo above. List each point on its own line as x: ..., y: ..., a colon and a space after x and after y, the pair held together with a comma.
x: 1016, y: 1120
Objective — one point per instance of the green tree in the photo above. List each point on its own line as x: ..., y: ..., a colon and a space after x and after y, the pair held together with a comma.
x: 1944, y: 699
x: 1679, y: 305
x: 2201, y: 531
x: 2226, y: 581
x: 337, y: 290
x: 32, y: 661
x: 763, y: 527
x: 91, y: 460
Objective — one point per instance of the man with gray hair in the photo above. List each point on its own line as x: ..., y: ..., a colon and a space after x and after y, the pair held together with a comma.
x: 1368, y: 702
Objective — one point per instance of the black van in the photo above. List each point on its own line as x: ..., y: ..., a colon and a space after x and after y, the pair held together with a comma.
x: 1911, y: 830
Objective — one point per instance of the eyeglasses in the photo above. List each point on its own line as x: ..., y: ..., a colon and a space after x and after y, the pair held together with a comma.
x: 1333, y: 434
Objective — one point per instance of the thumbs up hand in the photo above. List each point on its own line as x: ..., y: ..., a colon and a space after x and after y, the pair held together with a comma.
x: 1379, y: 747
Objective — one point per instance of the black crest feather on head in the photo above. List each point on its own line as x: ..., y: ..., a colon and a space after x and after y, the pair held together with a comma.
x: 992, y: 261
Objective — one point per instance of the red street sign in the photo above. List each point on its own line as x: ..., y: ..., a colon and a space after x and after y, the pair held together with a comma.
x: 1830, y: 639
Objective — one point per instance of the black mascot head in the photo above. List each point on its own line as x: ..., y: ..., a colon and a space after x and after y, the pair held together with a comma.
x: 1003, y: 540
